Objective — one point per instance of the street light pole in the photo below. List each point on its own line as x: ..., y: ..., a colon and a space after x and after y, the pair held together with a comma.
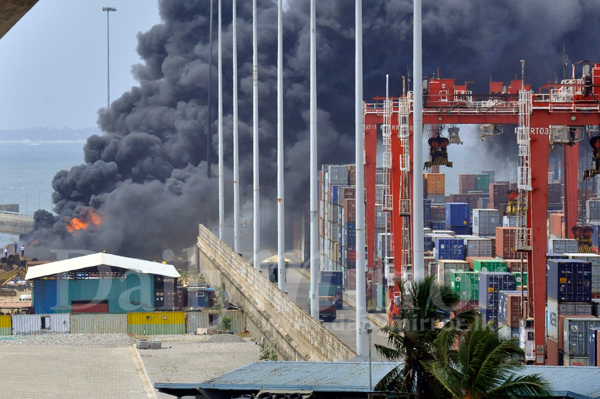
x: 108, y: 10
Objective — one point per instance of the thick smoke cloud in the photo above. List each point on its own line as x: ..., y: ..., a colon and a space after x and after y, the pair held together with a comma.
x: 146, y: 175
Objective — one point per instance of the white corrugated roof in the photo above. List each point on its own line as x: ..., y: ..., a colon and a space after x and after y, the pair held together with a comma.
x: 99, y: 259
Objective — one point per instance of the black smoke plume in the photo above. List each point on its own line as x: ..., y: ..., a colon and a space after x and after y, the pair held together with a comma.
x: 146, y: 175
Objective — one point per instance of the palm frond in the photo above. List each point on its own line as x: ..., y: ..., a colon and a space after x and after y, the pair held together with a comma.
x: 516, y: 387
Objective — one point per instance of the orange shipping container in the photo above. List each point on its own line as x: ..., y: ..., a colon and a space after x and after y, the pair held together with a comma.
x: 436, y: 183
x: 514, y: 265
x: 552, y: 352
x: 557, y: 222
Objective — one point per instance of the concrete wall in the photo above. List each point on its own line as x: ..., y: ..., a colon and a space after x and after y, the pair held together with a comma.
x: 269, y: 312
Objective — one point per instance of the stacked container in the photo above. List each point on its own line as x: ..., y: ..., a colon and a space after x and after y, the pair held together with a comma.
x: 594, y: 260
x: 490, y: 285
x: 436, y: 187
x: 557, y: 224
x: 489, y: 265
x: 594, y: 343
x: 458, y: 217
x: 478, y: 246
x: 466, y: 285
x: 562, y: 245
x: 511, y: 304
x: 576, y: 338
x: 445, y: 269
x: 467, y: 183
x: 592, y: 209
x: 482, y: 182
x: 506, y: 242
x: 498, y: 195
x: 485, y: 222
x: 449, y: 248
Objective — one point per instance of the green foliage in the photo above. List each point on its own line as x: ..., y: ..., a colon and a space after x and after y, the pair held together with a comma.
x: 226, y: 323
x: 483, y: 367
x: 267, y: 353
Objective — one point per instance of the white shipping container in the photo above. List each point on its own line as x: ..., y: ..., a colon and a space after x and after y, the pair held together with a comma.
x: 55, y: 323
x: 576, y: 361
x: 445, y: 268
x: 562, y: 245
x: 98, y: 323
x: 509, y: 221
x: 526, y: 341
x: 485, y: 221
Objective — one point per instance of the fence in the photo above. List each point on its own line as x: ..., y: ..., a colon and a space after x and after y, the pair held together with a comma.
x: 98, y: 323
x: 211, y: 319
x: 23, y: 324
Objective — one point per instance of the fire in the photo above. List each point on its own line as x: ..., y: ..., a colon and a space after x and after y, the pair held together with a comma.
x: 86, y: 219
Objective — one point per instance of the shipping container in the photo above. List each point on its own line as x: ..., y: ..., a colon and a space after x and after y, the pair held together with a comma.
x: 483, y: 202
x: 153, y: 323
x: 441, y: 225
x: 596, y: 233
x: 520, y: 281
x: 592, y: 209
x: 98, y: 323
x: 490, y: 284
x: 445, y: 269
x: 509, y: 221
x: 510, y: 305
x: 426, y: 211
x: 594, y: 260
x: 465, y: 284
x: 489, y: 265
x: 562, y: 245
x: 552, y: 255
x: 557, y: 224
x: 457, y: 214
x: 485, y: 221
x: 593, y: 346
x: 576, y: 335
x: 569, y: 280
x: 514, y: 265
x: 506, y: 242
x: 436, y: 183
x: 466, y: 183
x: 489, y: 315
x: 482, y: 182
x: 5, y: 325
x: 478, y: 247
x: 575, y: 361
x: 556, y: 309
x: 553, y: 353
x: 507, y: 332
x: 460, y: 230
x: 24, y: 324
x: 449, y: 249
x: 471, y: 259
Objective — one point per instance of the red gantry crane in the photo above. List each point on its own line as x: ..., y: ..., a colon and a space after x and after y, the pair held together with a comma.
x: 557, y: 115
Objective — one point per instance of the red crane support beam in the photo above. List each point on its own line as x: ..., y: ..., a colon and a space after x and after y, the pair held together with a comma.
x: 571, y: 167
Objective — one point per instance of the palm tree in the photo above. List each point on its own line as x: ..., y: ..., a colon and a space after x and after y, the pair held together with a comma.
x: 483, y: 367
x: 424, y: 304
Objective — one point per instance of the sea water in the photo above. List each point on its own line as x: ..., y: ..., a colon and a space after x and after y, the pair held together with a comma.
x: 27, y: 169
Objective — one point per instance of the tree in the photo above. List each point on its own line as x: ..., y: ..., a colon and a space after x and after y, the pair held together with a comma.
x: 483, y: 367
x: 423, y: 305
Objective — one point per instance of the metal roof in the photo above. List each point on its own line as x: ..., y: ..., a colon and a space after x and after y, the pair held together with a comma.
x: 101, y: 259
x: 571, y: 382
x: 311, y: 376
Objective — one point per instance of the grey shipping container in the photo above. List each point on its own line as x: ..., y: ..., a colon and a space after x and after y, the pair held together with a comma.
x: 478, y: 247
x: 575, y: 361
x: 562, y: 245
x: 445, y: 268
x: 98, y: 323
x: 485, y: 221
x: 23, y: 324
x: 592, y: 209
x: 576, y: 335
x: 555, y: 309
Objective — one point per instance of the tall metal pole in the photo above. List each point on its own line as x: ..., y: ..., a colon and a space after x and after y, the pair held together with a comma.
x: 361, y: 295
x: 314, y: 189
x: 236, y: 161
x: 221, y: 189
x: 280, y: 180
x: 108, y: 10
x: 255, y: 154
x: 209, y: 124
x: 418, y: 245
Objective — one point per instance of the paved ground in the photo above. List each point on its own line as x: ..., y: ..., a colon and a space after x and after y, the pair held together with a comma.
x: 68, y: 372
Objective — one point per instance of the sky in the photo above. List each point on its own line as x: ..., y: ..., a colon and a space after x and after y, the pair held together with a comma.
x: 53, y: 70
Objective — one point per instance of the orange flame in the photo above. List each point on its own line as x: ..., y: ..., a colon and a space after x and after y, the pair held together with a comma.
x: 90, y: 217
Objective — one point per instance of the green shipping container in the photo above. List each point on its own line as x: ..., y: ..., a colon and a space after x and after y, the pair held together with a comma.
x: 489, y: 265
x: 465, y: 284
x: 518, y: 278
x: 482, y: 182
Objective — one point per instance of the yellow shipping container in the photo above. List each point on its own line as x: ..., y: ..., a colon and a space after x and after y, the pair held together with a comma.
x: 156, y: 318
x: 5, y: 325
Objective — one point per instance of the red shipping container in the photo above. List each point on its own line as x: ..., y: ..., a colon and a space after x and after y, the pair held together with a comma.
x: 557, y: 222
x: 351, y: 282
x: 348, y: 193
x: 514, y: 265
x: 470, y: 259
x: 464, y: 306
x: 506, y: 242
x: 352, y: 175
x: 466, y: 183
x: 513, y: 309
x: 499, y: 192
x: 552, y: 352
x: 349, y: 210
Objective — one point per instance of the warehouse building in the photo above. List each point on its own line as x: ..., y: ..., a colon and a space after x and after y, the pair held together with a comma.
x: 102, y: 283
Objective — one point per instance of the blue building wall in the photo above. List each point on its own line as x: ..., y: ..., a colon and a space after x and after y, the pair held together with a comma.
x: 135, y: 293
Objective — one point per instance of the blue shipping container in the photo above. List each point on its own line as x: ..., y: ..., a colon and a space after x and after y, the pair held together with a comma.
x: 438, y: 225
x: 593, y: 345
x: 595, y: 234
x: 426, y: 211
x: 457, y: 214
x: 490, y: 284
x: 449, y: 248
x: 333, y: 277
x: 489, y: 315
x: 551, y: 255
x: 569, y: 280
